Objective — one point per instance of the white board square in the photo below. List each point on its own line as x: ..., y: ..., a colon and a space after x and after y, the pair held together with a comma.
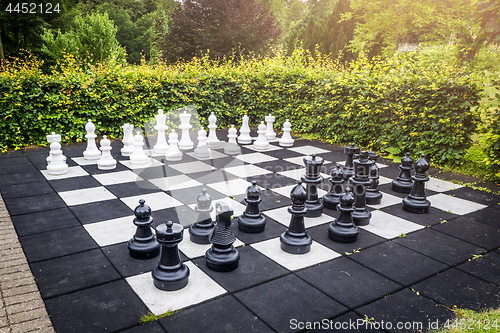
x: 308, y: 150
x: 299, y: 160
x: 83, y: 161
x: 200, y: 288
x: 192, y: 167
x: 193, y: 250
x: 214, y: 154
x: 387, y: 200
x: 174, y: 182
x: 119, y: 177
x: 272, y: 249
x: 271, y: 147
x: 299, y: 172
x: 247, y: 170
x: 389, y: 226
x: 285, y: 190
x: 439, y: 185
x: 255, y: 158
x: 231, y: 187
x: 237, y: 207
x: 282, y: 216
x: 86, y: 195
x: 156, y: 201
x: 151, y: 163
x: 112, y: 231
x: 453, y: 204
x: 74, y: 171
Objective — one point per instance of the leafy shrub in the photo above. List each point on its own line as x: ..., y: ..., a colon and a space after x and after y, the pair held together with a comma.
x: 398, y: 104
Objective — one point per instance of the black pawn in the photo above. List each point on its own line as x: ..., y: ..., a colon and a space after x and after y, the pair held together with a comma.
x: 143, y: 245
x: 312, y: 179
x: 171, y: 273
x: 252, y: 221
x: 199, y: 231
x: 360, y: 182
x: 403, y: 183
x: 296, y: 240
x: 343, y: 229
x: 350, y: 150
x: 332, y: 198
x: 222, y: 256
x: 373, y: 195
x: 416, y: 202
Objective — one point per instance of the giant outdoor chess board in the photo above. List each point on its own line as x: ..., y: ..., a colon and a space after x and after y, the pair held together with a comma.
x: 74, y: 229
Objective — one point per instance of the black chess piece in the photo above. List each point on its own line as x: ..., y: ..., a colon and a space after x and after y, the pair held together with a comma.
x: 199, y: 231
x: 332, y: 198
x: 360, y: 182
x: 373, y: 195
x: 171, y: 273
x: 343, y: 229
x: 403, y: 183
x: 296, y: 240
x: 252, y: 221
x: 222, y: 256
x: 416, y: 202
x: 143, y: 245
x: 350, y: 150
x: 312, y: 179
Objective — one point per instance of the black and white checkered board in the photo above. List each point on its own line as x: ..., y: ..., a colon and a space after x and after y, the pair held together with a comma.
x: 74, y: 230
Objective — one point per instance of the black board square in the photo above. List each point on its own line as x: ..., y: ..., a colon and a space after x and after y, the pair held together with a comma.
x: 185, y: 159
x: 222, y: 162
x: 34, y: 204
x: 439, y: 246
x: 74, y: 183
x: 398, y: 263
x: 156, y: 172
x: 151, y: 327
x: 489, y: 215
x: 270, y: 200
x: 348, y: 282
x: 283, y: 153
x: 435, y: 216
x: 272, y: 180
x: 391, y: 172
x: 486, y: 267
x: 223, y: 315
x: 26, y: 190
x: 100, y: 211
x: 56, y: 243
x: 454, y: 287
x: 482, y: 197
x: 408, y: 308
x: 14, y: 157
x: 293, y: 296
x: 109, y: 307
x: 474, y: 232
x: 278, y: 165
x: 73, y: 150
x: 130, y: 189
x: 347, y: 323
x: 272, y: 229
x: 73, y: 272
x: 20, y: 178
x: 188, y: 195
x: 7, y: 169
x: 253, y: 268
x: 28, y: 224
x: 180, y: 214
x: 93, y: 169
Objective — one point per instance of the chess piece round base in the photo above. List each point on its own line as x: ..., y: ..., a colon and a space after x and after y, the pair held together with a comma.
x: 160, y: 149
x: 295, y: 243
x: 185, y: 145
x: 416, y: 206
x: 261, y: 146
x: 286, y: 143
x: 372, y: 198
x: 222, y: 260
x: 331, y: 201
x: 139, y: 160
x: 92, y: 154
x: 251, y: 225
x: 144, y: 248
x: 171, y: 278
x: 127, y: 151
x: 198, y: 233
x: 361, y: 217
x: 57, y: 169
x: 245, y: 141
x: 314, y: 209
x: 401, y: 186
x: 109, y: 166
x: 341, y: 234
x: 173, y: 158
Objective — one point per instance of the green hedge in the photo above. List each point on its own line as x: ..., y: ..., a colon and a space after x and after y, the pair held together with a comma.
x: 397, y: 104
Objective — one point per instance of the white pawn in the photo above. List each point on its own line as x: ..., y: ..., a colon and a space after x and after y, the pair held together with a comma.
x: 91, y: 153
x: 202, y: 151
x: 212, y: 140
x: 185, y: 142
x: 139, y: 157
x: 161, y: 145
x: 261, y: 143
x: 173, y: 153
x: 270, y: 135
x: 106, y: 162
x: 54, y: 138
x: 232, y: 148
x: 245, y: 138
x: 57, y: 166
x: 128, y: 140
x: 286, y: 139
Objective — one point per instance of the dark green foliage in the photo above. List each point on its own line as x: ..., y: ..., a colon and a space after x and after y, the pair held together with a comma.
x: 399, y: 104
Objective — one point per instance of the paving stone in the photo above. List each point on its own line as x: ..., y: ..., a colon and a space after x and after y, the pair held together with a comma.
x: 27, y: 315
x: 17, y: 283
x: 34, y: 326
x: 31, y: 305
x: 13, y: 269
x: 19, y: 290
x: 21, y: 298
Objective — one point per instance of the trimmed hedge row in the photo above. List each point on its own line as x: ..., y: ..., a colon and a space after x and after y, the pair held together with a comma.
x: 397, y: 104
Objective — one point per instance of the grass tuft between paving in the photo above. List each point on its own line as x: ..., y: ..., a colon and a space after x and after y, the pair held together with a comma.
x: 146, y: 318
x: 486, y: 321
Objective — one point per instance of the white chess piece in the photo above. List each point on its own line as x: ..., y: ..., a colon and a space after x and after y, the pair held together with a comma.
x: 185, y: 142
x: 57, y: 166
x: 106, y: 162
x: 212, y: 140
x: 245, y: 138
x: 202, y: 151
x: 270, y: 135
x: 232, y: 148
x: 173, y: 153
x: 128, y: 140
x: 91, y: 153
x: 286, y: 139
x: 161, y: 145
x: 261, y: 143
x: 139, y: 157
x: 53, y: 137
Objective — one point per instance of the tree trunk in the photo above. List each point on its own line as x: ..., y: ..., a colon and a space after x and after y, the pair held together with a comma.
x: 1, y: 48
